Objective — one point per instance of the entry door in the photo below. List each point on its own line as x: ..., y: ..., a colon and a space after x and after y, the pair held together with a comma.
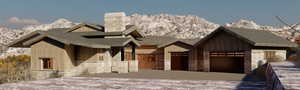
x: 179, y: 61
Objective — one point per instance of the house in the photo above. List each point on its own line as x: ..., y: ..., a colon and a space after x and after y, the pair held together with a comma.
x: 117, y: 47
x: 84, y: 48
x: 238, y: 50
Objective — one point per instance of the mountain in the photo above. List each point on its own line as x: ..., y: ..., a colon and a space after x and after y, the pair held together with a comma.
x: 283, y: 31
x: 60, y: 23
x: 179, y: 26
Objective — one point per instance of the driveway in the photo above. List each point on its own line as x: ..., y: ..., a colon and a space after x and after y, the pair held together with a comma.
x: 179, y: 75
x: 98, y: 83
x: 144, y: 80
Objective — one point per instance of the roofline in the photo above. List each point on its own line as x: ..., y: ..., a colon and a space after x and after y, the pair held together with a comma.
x: 227, y: 29
x: 83, y: 24
x: 132, y: 29
x: 173, y: 42
x: 131, y: 40
x: 63, y: 41
x: 11, y: 44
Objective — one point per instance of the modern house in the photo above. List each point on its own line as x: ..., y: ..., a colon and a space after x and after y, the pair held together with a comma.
x: 117, y: 47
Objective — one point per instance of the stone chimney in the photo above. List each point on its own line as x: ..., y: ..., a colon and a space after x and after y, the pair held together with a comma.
x: 115, y: 22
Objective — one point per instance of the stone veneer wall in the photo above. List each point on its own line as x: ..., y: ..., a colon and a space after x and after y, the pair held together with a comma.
x: 258, y: 57
x: 167, y: 54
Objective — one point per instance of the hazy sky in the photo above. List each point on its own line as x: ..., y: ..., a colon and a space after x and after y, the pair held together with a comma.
x: 218, y: 11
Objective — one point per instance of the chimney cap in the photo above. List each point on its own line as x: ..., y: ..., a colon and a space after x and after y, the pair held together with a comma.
x: 115, y: 14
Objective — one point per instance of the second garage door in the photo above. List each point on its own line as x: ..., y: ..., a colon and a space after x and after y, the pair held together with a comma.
x: 146, y: 61
x: 227, y: 64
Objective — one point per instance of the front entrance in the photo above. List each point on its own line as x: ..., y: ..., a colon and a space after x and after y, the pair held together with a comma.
x: 179, y: 61
x: 146, y: 61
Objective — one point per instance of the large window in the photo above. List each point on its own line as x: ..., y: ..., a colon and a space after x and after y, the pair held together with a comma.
x: 47, y: 63
x: 270, y: 55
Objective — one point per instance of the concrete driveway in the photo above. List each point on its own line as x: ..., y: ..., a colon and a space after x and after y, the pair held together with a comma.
x: 98, y: 83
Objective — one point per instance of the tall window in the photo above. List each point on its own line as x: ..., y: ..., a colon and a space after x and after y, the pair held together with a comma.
x: 270, y: 55
x: 47, y: 63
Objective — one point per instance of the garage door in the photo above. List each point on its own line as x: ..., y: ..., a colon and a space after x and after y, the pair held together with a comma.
x: 179, y: 61
x: 146, y: 61
x: 227, y: 64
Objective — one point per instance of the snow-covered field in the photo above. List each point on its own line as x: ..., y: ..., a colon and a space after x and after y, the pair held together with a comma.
x: 98, y: 83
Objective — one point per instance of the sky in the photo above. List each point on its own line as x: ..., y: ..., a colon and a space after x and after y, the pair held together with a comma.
x: 218, y: 11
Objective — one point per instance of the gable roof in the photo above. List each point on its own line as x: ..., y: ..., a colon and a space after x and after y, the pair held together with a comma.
x: 74, y: 39
x: 97, y: 27
x: 253, y: 37
x: 133, y: 30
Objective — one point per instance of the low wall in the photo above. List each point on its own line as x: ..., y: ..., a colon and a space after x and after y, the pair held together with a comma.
x: 133, y: 66
x: 87, y: 68
x: 43, y: 74
x: 283, y: 76
x: 120, y: 66
x: 258, y: 59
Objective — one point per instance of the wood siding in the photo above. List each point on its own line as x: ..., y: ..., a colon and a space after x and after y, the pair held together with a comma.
x: 47, y: 48
x: 90, y: 54
x: 223, y: 41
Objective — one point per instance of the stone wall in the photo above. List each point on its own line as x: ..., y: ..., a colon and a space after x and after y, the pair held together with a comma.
x: 114, y: 22
x: 258, y: 57
x: 133, y: 66
x: 43, y: 74
x: 120, y: 66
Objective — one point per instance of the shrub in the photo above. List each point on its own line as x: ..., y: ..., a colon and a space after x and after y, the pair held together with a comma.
x: 14, y: 67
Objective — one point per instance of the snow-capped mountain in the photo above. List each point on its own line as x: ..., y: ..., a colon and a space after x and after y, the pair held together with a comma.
x: 179, y: 26
x: 59, y: 23
x: 284, y: 31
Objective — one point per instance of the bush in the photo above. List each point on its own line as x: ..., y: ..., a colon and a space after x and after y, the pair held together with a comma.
x: 15, y: 68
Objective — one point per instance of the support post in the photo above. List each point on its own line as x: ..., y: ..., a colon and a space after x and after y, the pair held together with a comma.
x: 206, y: 61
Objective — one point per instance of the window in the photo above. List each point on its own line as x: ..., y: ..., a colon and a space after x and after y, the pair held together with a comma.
x: 269, y: 55
x: 47, y: 63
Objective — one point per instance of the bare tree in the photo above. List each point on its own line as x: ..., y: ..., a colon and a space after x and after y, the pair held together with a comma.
x: 292, y: 28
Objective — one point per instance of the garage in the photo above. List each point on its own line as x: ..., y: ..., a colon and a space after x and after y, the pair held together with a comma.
x: 179, y: 61
x: 146, y: 61
x: 227, y: 62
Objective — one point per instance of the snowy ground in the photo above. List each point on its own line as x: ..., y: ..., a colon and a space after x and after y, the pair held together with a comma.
x: 98, y: 83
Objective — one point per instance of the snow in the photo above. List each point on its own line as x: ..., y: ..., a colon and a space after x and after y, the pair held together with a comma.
x: 98, y: 83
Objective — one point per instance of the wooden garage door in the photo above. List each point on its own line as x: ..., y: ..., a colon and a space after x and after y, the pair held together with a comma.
x: 146, y: 61
x: 227, y: 64
x: 179, y: 61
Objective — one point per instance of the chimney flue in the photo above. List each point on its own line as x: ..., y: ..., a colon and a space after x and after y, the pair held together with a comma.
x: 115, y: 22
